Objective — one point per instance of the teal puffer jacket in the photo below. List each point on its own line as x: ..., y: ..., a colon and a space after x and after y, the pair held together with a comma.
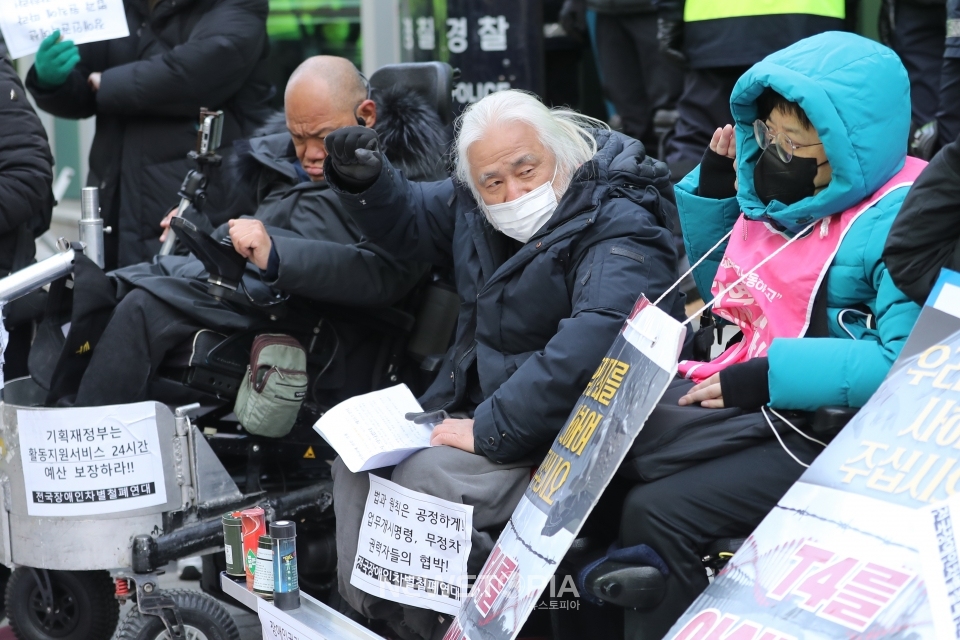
x: 856, y: 94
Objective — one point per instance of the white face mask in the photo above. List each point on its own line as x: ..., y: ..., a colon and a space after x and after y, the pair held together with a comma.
x: 523, y: 217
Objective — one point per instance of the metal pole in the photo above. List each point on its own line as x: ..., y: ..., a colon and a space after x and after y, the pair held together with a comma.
x: 20, y: 283
x: 167, y: 247
x: 91, y: 225
x: 380, y: 25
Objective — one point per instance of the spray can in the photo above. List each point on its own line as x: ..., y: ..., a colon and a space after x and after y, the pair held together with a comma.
x: 286, y: 586
x: 233, y: 544
x: 254, y: 526
x: 263, y: 579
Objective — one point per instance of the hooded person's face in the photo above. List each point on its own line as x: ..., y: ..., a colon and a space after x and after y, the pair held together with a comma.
x: 807, y: 144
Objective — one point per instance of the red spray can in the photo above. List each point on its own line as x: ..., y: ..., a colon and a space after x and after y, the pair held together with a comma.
x: 254, y: 525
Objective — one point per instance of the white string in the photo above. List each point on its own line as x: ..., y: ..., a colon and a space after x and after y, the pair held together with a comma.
x: 795, y: 428
x: 690, y: 270
x: 789, y: 453
x: 746, y: 274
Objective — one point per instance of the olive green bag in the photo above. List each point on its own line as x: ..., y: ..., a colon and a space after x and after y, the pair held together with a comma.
x: 274, y: 386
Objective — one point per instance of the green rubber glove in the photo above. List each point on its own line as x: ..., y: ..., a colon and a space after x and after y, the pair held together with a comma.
x: 55, y: 60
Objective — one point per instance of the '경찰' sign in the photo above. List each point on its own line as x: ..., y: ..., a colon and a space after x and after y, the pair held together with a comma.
x: 413, y: 548
x: 90, y: 460
x: 496, y: 44
x: 26, y: 23
x: 606, y: 419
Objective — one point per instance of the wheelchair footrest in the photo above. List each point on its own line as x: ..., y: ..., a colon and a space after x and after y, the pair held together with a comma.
x: 626, y: 585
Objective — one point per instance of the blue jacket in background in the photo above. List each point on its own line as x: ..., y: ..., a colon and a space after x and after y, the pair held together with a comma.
x: 857, y: 95
x: 535, y: 319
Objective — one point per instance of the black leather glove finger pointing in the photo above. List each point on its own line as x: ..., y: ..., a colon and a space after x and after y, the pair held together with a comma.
x: 354, y: 154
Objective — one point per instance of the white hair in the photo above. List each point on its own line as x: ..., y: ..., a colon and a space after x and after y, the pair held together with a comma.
x: 565, y: 134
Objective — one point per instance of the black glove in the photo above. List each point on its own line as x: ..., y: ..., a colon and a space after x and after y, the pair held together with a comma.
x: 354, y: 154
x: 746, y: 385
x: 573, y: 18
x: 670, y: 37
x: 717, y: 176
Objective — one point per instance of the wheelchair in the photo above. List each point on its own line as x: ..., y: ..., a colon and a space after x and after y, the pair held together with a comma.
x: 67, y: 574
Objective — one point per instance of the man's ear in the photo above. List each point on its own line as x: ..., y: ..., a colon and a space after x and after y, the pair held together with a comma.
x: 367, y: 113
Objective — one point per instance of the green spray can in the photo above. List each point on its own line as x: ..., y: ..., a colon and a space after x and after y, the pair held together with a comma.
x: 233, y: 545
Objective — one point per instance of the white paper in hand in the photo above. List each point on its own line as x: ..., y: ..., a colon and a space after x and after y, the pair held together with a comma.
x: 413, y: 548
x: 370, y: 432
x: 25, y: 23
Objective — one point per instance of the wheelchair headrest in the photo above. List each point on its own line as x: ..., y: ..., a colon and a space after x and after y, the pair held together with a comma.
x: 433, y: 81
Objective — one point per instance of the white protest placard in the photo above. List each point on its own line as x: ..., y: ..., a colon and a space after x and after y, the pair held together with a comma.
x: 369, y: 431
x: 277, y: 625
x: 937, y: 542
x: 413, y: 548
x: 25, y: 23
x: 89, y: 460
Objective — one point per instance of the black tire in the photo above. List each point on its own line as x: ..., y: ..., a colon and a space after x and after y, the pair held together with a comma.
x: 199, y: 611
x: 4, y: 578
x: 84, y: 606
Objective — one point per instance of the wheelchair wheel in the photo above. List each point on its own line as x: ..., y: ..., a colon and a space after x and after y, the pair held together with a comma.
x: 80, y: 605
x: 203, y: 618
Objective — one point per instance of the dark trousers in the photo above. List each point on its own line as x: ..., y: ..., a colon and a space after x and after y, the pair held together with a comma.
x: 918, y: 38
x: 141, y: 331
x: 704, y: 105
x: 679, y: 515
x: 636, y: 78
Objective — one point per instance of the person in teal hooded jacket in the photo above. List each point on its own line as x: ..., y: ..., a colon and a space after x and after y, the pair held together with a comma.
x: 789, y: 209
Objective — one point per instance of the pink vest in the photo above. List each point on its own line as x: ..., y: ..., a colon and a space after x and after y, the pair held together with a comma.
x: 774, y: 302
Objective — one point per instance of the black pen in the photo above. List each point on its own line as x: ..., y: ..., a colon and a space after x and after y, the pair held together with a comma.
x: 427, y: 417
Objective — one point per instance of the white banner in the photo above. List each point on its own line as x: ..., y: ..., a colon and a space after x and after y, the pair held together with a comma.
x: 937, y: 541
x: 278, y: 625
x: 25, y: 23
x: 413, y: 548
x: 89, y: 460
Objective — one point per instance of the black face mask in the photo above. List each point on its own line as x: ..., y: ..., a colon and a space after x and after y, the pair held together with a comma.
x: 788, y: 182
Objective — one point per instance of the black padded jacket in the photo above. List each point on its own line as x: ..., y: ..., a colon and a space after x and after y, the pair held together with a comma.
x: 925, y: 236
x: 26, y: 174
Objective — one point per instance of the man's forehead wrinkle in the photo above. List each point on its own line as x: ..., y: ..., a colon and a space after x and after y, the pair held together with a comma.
x: 526, y: 158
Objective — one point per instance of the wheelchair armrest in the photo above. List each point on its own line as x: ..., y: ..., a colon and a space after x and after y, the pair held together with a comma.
x: 719, y: 552
x: 387, y: 319
x: 828, y: 421
x: 627, y: 585
x: 431, y: 364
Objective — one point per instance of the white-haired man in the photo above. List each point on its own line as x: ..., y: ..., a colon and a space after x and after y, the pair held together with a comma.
x: 553, y: 227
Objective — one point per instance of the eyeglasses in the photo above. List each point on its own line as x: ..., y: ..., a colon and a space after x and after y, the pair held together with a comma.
x: 785, y: 146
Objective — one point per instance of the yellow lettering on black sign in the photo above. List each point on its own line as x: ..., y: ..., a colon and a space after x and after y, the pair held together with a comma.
x: 550, y: 476
x: 606, y: 380
x: 578, y: 431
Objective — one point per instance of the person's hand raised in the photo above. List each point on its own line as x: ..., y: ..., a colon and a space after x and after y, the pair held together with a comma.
x: 355, y: 156
x: 724, y: 142
x: 55, y: 60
